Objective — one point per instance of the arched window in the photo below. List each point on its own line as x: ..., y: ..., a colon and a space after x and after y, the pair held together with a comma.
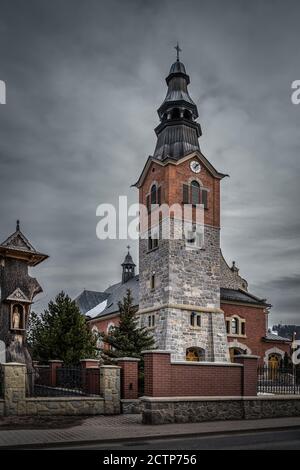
x: 187, y: 115
x: 153, y: 193
x: 195, y: 192
x: 110, y: 327
x: 195, y: 354
x: 233, y: 352
x: 176, y: 113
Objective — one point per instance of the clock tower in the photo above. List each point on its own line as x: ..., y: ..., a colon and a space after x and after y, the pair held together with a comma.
x: 179, y: 257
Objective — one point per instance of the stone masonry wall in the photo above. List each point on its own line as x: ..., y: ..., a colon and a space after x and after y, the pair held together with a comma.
x: 15, y: 402
x: 65, y: 406
x: 184, y: 276
x: 195, y: 410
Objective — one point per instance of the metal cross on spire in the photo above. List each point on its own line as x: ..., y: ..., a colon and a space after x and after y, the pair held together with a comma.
x: 177, y: 51
x: 128, y: 248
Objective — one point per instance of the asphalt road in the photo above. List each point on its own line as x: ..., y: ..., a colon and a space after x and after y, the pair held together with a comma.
x: 266, y: 440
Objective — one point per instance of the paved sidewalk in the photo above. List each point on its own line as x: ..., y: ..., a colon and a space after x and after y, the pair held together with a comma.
x: 122, y: 427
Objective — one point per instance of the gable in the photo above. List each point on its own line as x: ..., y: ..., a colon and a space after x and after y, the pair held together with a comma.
x: 18, y: 296
x: 18, y: 241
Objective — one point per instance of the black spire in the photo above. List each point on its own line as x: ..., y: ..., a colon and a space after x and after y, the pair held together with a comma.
x: 128, y: 267
x: 178, y: 132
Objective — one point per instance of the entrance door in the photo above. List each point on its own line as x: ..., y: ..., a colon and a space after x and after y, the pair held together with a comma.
x: 274, y: 361
x: 273, y: 365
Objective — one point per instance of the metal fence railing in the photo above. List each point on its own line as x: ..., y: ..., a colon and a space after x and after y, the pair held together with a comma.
x: 278, y: 380
x: 68, y: 381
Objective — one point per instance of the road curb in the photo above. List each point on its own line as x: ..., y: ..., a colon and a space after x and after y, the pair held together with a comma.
x: 49, y: 445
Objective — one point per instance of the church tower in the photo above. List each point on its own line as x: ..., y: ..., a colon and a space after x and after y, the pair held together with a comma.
x: 180, y: 273
x: 128, y: 267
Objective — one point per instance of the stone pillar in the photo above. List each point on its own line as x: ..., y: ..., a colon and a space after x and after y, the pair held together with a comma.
x: 2, y: 352
x: 157, y: 370
x: 14, y: 388
x: 54, y: 365
x: 110, y: 388
x: 249, y: 374
x: 129, y: 377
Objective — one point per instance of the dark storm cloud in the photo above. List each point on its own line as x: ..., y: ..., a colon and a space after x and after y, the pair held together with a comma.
x: 84, y: 80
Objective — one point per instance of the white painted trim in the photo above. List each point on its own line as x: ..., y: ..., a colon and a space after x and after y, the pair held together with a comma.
x: 237, y: 344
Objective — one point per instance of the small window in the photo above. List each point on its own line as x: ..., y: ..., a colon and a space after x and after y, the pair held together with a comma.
x: 151, y: 321
x: 153, y: 281
x: 228, y: 327
x: 191, y: 237
x: 152, y: 241
x: 195, y: 320
x: 243, y: 329
x: 234, y: 326
x: 195, y: 237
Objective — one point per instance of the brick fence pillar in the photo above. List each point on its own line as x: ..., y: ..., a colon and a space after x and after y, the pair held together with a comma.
x: 249, y: 374
x: 157, y: 370
x: 90, y: 376
x: 89, y: 363
x: 129, y: 377
x: 54, y: 365
x: 110, y: 388
x: 14, y: 388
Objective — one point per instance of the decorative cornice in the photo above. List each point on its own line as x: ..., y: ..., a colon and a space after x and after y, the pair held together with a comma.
x: 190, y: 308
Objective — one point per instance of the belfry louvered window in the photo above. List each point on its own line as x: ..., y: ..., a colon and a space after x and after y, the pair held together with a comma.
x: 195, y: 193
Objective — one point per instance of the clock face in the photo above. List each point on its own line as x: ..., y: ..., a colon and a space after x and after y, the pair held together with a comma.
x: 195, y: 166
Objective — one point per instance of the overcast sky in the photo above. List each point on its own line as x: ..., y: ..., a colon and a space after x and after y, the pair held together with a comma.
x: 84, y: 81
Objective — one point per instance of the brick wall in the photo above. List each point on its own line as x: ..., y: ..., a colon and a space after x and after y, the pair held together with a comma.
x: 129, y: 377
x: 166, y: 379
x: 256, y: 328
x: 171, y: 178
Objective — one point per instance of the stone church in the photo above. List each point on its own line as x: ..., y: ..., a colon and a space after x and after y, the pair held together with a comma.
x: 197, y: 306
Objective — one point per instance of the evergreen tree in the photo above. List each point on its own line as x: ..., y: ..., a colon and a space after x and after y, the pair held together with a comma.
x: 61, y: 332
x: 127, y: 339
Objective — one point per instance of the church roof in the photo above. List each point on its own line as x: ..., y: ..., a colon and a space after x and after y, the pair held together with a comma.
x: 178, y: 131
x: 239, y: 295
x: 177, y: 67
x: 272, y: 337
x: 115, y: 294
x: 128, y: 261
x: 88, y: 299
x: 18, y: 246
